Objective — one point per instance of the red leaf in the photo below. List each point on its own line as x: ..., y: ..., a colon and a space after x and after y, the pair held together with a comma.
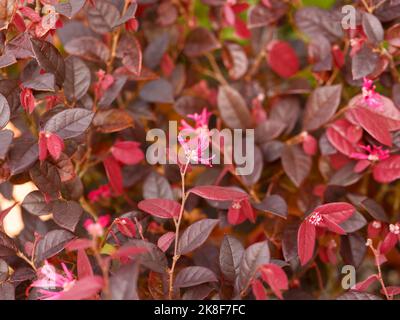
x: 127, y: 251
x: 126, y: 227
x: 85, y: 288
x: 162, y: 208
x: 305, y: 242
x: 310, y: 145
x: 127, y: 152
x: 387, y: 170
x: 55, y: 145
x: 332, y: 226
x: 258, y: 290
x: 79, y: 244
x: 374, y: 124
x: 389, y: 242
x: 114, y: 174
x: 344, y: 136
x: 364, y: 285
x: 166, y: 240
x: 84, y: 267
x: 218, y: 193
x: 275, y: 277
x: 338, y: 211
x: 234, y: 215
x: 42, y: 146
x: 393, y: 291
x: 282, y: 59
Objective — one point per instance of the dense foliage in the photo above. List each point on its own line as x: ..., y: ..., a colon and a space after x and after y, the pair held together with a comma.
x: 83, y: 82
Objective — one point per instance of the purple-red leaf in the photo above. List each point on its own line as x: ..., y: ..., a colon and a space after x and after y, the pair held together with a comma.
x: 161, y: 208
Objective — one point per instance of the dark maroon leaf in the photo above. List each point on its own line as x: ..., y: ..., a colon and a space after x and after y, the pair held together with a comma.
x: 353, y: 249
x: 359, y: 67
x: 153, y: 259
x: 10, y: 90
x: 254, y: 257
x: 51, y: 244
x: 321, y: 106
x: 77, y: 78
x: 296, y: 163
x: 7, y: 245
x: 42, y: 82
x: 157, y: 91
x: 188, y: 105
x: 237, y: 61
x: 260, y: 15
x: 195, y: 235
x: 4, y: 112
x: 23, y: 154
x: 374, y: 209
x: 103, y: 16
x: 273, y: 204
x: 112, y: 120
x: 200, y: 41
x: 3, y: 270
x: 7, y: 59
x: 7, y: 291
x: 130, y: 52
x: 230, y: 257
x: 372, y: 28
x: 88, y: 48
x: 36, y: 204
x: 157, y: 186
x: 21, y: 46
x: 193, y: 276
x: 354, y: 223
x: 356, y: 295
x: 112, y: 93
x: 45, y: 176
x: 49, y: 59
x: 67, y: 214
x: 155, y: 50
x: 314, y: 21
x: 233, y: 108
x: 123, y: 284
x: 69, y: 123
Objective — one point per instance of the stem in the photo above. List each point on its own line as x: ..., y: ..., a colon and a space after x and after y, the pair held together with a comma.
x: 104, y: 270
x: 177, y: 226
x: 216, y: 69
x: 28, y: 261
x: 380, y: 277
x: 115, y: 39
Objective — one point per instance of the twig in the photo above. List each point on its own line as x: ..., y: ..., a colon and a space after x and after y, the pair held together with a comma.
x: 177, y: 226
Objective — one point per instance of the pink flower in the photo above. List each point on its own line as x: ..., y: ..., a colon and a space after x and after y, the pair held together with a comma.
x: 370, y: 97
x: 52, y: 284
x: 372, y: 154
x: 96, y: 229
x: 195, y: 140
x: 103, y: 191
x: 201, y: 121
x: 196, y: 148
